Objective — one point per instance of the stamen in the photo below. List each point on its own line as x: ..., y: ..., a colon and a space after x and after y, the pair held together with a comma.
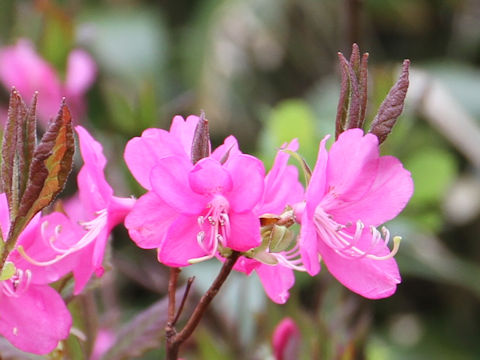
x: 217, y: 227
x: 345, y: 244
x: 93, y: 227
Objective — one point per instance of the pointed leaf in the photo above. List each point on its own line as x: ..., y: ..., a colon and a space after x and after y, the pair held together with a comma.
x: 16, y: 112
x: 201, y: 140
x: 26, y: 142
x: 51, y: 164
x: 363, y: 88
x: 342, y: 108
x: 392, y: 106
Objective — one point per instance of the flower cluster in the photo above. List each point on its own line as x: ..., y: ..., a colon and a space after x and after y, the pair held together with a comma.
x: 224, y: 202
x: 199, y: 204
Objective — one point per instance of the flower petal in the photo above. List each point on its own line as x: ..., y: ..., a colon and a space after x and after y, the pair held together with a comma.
x: 36, y: 320
x: 149, y: 220
x: 180, y: 244
x: 248, y: 174
x: 184, y: 130
x: 373, y: 279
x: 317, y: 184
x: 94, y: 191
x: 308, y: 245
x: 228, y: 149
x: 389, y: 194
x: 170, y: 182
x: 277, y: 281
x: 352, y: 164
x: 143, y: 153
x: 209, y: 177
x: 244, y: 231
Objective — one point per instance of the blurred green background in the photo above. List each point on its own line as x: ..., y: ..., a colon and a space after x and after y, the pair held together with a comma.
x: 266, y: 71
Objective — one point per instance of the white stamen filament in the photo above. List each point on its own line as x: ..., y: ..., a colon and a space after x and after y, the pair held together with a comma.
x: 93, y: 227
x: 18, y: 283
x: 217, y: 227
x: 345, y: 244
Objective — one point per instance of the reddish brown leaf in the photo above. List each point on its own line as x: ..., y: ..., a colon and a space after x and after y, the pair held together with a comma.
x: 51, y: 164
x: 201, y: 140
x: 391, y: 107
x: 342, y: 108
x: 10, y: 175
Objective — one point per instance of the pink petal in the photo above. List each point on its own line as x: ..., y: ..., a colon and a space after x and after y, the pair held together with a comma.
x: 244, y: 264
x: 143, y: 153
x: 95, y: 193
x: 228, y: 149
x: 170, y: 181
x: 180, y: 244
x: 248, y: 174
x: 308, y: 245
x: 37, y: 245
x: 81, y: 72
x: 36, y: 320
x: 183, y: 130
x: 4, y: 216
x: 389, y: 194
x: 209, y: 177
x: 317, y: 184
x: 373, y: 279
x: 277, y: 281
x: 244, y: 231
x: 149, y: 220
x: 281, y: 183
x: 352, y: 164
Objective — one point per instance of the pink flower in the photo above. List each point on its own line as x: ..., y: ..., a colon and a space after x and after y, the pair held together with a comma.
x: 77, y: 242
x: 286, y: 340
x: 34, y: 318
x: 23, y: 68
x: 352, y: 191
x: 192, y: 210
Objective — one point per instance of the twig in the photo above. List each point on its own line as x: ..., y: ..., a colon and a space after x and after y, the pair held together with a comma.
x: 174, y: 340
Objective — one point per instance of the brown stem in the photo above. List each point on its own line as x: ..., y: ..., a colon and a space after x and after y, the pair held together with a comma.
x: 184, y: 299
x: 174, y: 340
x: 170, y: 332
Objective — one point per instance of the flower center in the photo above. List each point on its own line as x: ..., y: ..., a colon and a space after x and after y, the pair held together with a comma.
x: 347, y: 244
x: 214, y: 227
x: 18, y: 283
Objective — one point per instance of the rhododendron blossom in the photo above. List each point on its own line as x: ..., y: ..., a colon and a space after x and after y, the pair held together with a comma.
x: 352, y: 191
x: 76, y: 241
x: 33, y: 316
x: 23, y: 68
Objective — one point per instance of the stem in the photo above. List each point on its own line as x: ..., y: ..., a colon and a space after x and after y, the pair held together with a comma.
x: 170, y: 332
x: 174, y: 340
